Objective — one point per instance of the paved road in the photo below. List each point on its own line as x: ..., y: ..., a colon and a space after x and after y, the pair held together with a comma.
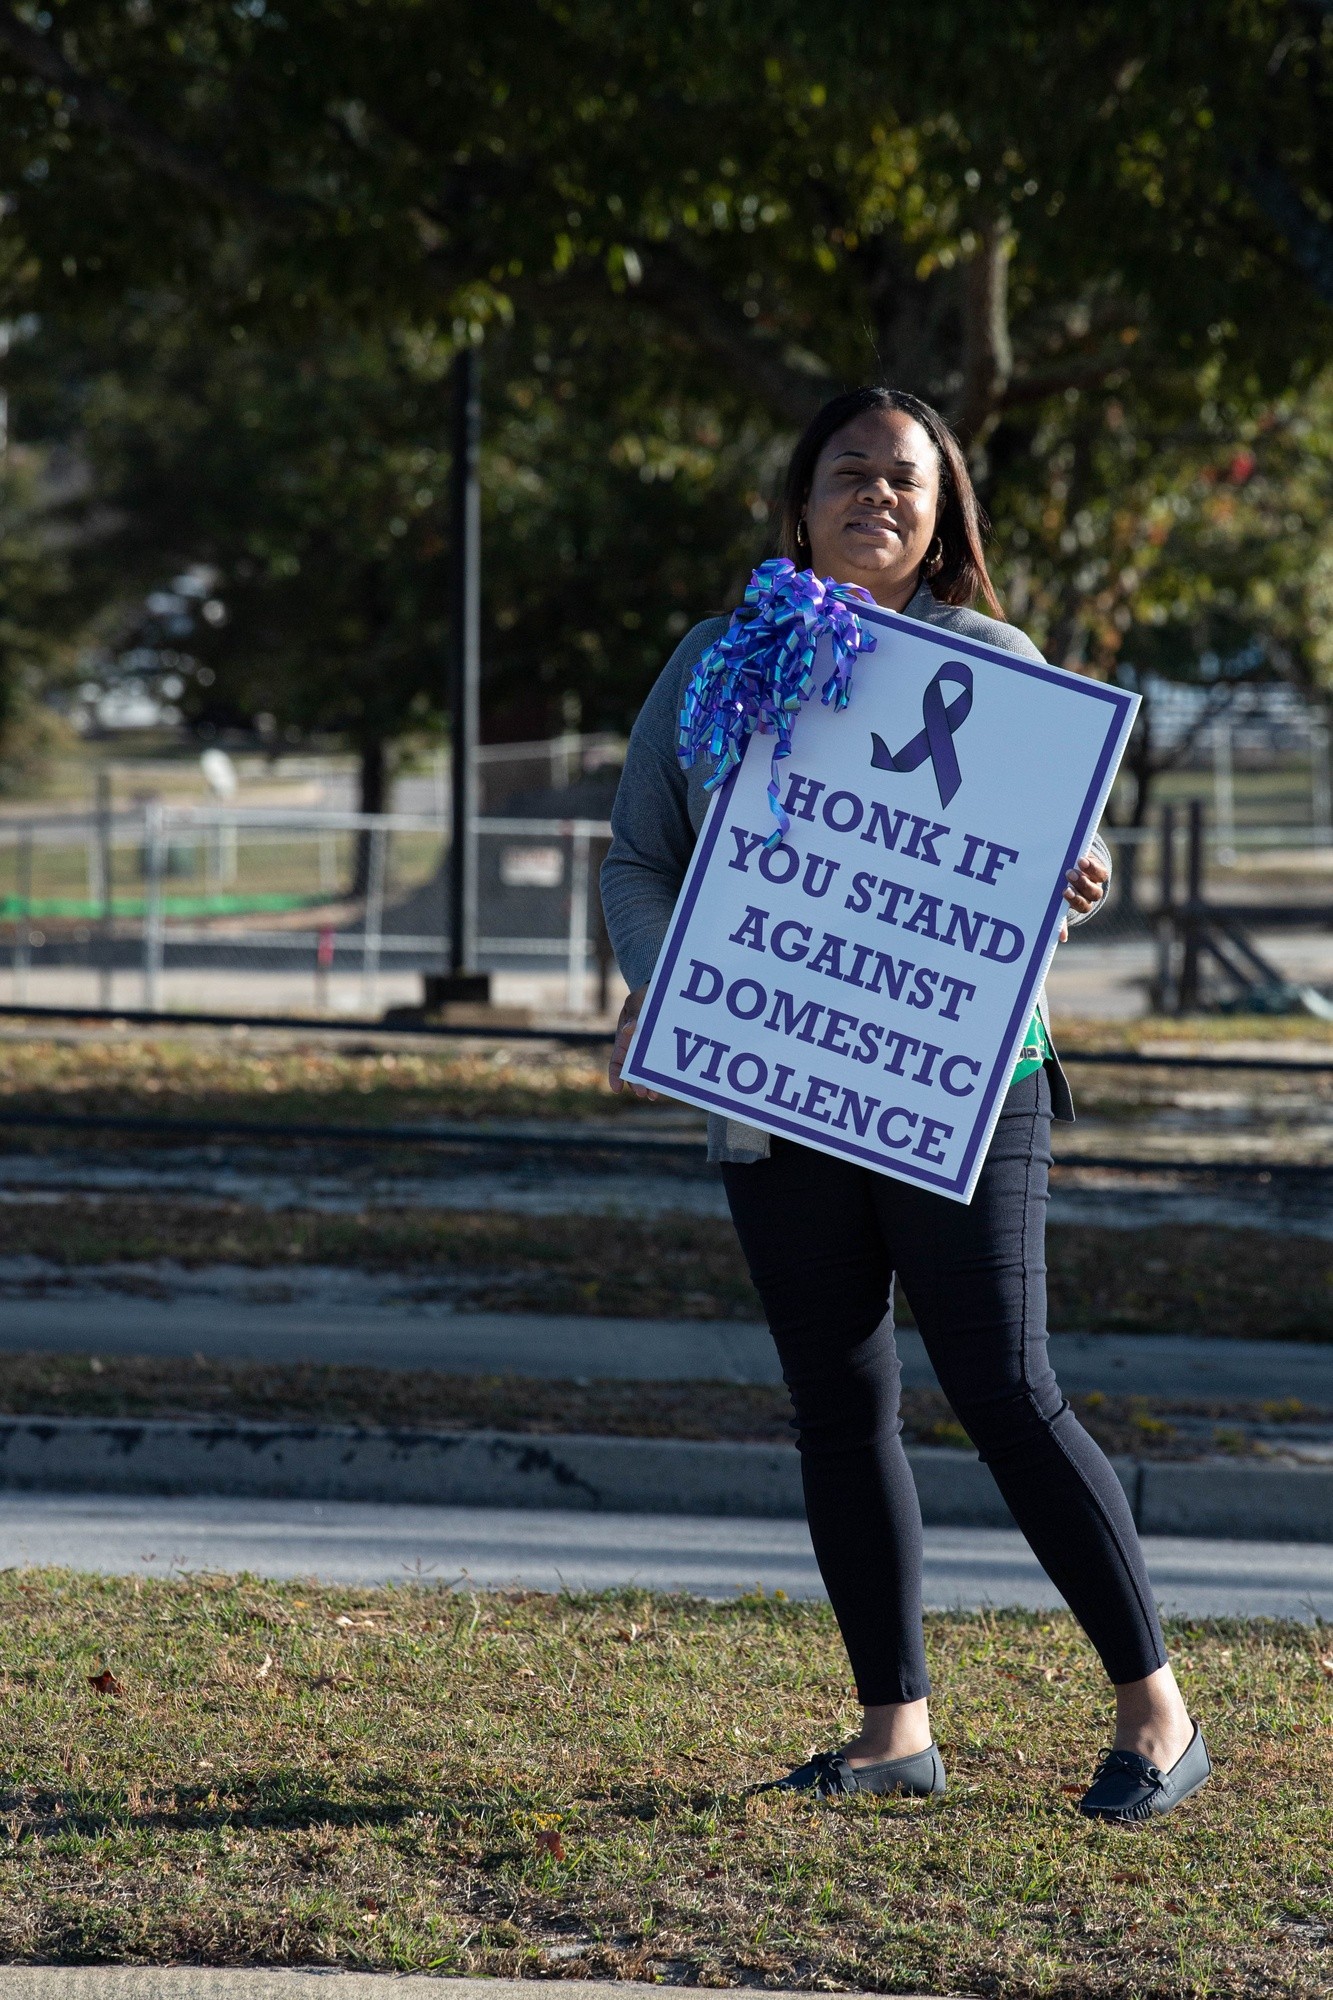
x: 343, y: 1542
x: 351, y: 1316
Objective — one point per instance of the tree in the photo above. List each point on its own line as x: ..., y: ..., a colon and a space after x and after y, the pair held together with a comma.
x: 308, y: 491
x: 790, y: 198
x: 1093, y: 236
x: 42, y: 612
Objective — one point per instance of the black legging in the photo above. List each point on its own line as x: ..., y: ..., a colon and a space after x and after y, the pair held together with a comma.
x: 823, y: 1240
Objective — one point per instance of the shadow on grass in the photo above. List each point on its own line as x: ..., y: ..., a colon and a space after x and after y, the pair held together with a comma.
x: 290, y: 1801
x: 287, y: 1800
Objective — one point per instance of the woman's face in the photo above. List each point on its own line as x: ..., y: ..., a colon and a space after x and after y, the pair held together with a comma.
x: 871, y: 512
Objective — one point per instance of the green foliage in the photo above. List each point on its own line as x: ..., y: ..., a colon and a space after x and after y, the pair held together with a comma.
x: 305, y: 491
x: 1099, y: 238
x: 622, y: 504
x: 40, y: 610
x: 1162, y: 544
x: 308, y: 493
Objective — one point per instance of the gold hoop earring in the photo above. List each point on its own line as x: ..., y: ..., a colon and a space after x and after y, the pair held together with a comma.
x: 802, y: 532
x: 935, y: 557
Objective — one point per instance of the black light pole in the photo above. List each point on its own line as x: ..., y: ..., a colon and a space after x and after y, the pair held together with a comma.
x: 463, y: 982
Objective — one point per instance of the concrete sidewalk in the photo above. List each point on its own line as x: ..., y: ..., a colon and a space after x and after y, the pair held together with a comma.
x: 349, y: 1317
x: 492, y: 1548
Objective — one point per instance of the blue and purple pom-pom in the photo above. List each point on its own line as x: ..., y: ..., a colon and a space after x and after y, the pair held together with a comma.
x: 761, y: 671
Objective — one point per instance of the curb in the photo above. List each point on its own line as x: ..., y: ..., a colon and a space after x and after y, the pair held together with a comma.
x: 1234, y: 1500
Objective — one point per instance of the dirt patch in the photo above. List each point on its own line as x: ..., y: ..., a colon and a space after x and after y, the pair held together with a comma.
x: 115, y: 1386
x: 1227, y: 1283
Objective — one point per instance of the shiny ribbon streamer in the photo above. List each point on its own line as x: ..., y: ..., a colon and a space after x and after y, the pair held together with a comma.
x: 761, y: 670
x: 936, y: 739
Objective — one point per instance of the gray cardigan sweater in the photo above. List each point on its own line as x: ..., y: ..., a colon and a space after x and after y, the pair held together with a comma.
x: 659, y: 810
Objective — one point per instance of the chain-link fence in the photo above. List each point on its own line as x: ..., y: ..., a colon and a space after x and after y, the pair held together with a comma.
x: 267, y: 910
x: 316, y: 908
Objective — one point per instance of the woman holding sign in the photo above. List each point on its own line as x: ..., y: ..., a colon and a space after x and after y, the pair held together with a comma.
x: 878, y: 501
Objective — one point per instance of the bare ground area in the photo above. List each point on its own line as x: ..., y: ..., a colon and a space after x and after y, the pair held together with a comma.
x: 1227, y: 1283
x: 131, y: 1386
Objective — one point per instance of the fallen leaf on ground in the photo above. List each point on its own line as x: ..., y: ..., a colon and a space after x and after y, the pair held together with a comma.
x: 264, y: 1668
x: 105, y: 1683
x: 549, y: 1842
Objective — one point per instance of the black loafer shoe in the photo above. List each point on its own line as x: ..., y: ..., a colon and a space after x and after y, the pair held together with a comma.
x: 1128, y: 1788
x: 830, y: 1776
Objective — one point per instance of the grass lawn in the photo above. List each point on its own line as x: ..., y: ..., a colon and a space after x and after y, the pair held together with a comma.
x: 422, y: 1780
x: 134, y: 1385
x: 1188, y: 1279
x: 257, y: 1076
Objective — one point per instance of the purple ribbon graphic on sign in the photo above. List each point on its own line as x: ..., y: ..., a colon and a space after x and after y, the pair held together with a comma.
x: 936, y: 739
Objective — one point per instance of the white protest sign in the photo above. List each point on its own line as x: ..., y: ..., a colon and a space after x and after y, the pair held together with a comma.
x: 865, y: 986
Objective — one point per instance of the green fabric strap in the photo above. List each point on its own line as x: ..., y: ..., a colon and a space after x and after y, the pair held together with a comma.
x: 1034, y: 1052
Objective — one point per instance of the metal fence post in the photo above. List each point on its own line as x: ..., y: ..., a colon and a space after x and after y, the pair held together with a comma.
x: 1321, y: 789
x: 228, y: 858
x: 1224, y: 791
x: 152, y: 908
x: 374, y: 921
x: 1190, y: 993
x: 107, y: 915
x: 1165, y: 992
x: 325, y: 946
x: 93, y: 859
x: 23, y: 923
x: 578, y: 918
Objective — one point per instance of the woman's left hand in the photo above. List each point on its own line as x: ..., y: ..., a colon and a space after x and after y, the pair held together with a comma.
x: 1086, y: 887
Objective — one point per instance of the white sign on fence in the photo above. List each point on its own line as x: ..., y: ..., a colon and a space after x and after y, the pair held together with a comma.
x: 865, y: 986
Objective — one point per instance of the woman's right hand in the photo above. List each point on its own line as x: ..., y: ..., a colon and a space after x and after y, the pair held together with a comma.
x: 625, y: 1026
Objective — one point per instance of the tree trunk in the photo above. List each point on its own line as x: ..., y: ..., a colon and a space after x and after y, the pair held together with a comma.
x: 373, y: 785
x: 988, y: 355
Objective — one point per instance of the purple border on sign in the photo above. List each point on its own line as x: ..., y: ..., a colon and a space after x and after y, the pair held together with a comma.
x: 1117, y: 700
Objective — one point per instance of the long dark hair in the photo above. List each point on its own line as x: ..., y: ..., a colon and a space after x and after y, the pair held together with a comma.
x: 962, y: 575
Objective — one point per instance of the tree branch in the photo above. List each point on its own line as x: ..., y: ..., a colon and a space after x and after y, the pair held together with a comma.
x: 1309, y: 239
x: 108, y: 110
x: 1038, y: 383
x: 681, y: 293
